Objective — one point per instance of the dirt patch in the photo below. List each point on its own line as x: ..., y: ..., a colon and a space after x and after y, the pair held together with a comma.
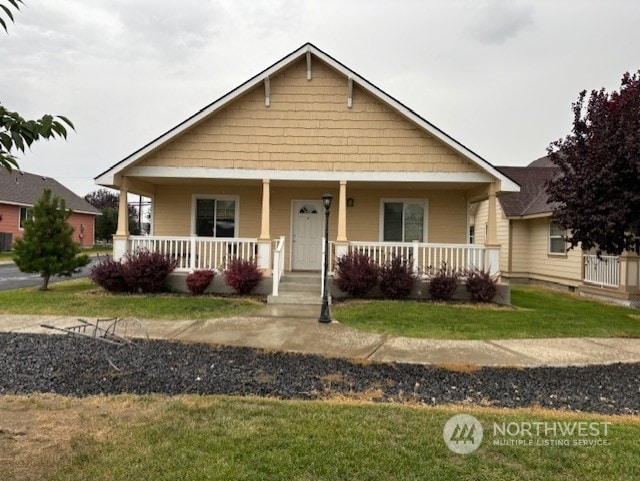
x: 38, y: 433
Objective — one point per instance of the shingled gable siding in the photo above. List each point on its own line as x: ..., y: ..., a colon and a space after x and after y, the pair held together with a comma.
x: 309, y: 127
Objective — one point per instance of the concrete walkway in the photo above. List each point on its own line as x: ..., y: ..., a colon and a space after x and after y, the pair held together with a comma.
x: 295, y: 329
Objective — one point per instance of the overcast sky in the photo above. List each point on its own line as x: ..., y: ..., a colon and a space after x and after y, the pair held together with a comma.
x: 499, y: 76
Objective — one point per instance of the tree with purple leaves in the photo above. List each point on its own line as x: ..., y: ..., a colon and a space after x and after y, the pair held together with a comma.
x: 596, y: 196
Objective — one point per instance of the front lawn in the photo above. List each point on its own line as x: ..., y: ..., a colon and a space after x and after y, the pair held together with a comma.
x: 535, y: 312
x: 225, y: 438
x: 83, y: 298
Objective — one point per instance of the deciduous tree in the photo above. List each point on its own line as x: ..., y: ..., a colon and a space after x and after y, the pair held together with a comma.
x: 596, y: 196
x: 107, y: 201
x: 16, y: 133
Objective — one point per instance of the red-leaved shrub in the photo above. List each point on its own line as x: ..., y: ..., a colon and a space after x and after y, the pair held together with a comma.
x: 140, y: 272
x: 443, y: 285
x: 397, y: 279
x: 481, y: 286
x: 199, y: 280
x: 243, y: 275
x: 147, y: 271
x: 109, y: 274
x: 356, y: 274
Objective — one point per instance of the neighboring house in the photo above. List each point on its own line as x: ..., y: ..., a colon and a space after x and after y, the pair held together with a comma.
x: 533, y: 246
x: 20, y: 190
x: 245, y: 177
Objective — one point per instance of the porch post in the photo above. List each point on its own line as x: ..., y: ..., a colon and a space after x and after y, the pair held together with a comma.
x: 492, y: 247
x: 630, y: 275
x: 121, y: 237
x: 264, y: 241
x: 341, y: 238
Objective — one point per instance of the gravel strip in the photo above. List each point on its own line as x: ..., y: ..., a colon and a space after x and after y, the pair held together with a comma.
x: 73, y: 366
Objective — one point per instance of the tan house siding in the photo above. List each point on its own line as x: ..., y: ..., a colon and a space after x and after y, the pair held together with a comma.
x: 520, y: 238
x: 172, y: 208
x: 550, y: 267
x: 502, y: 231
x: 524, y: 251
x: 308, y: 126
x: 479, y: 222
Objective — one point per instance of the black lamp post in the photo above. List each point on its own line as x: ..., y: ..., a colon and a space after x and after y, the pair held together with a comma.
x: 325, y: 316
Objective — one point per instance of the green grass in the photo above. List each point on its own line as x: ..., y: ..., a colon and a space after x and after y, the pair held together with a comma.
x: 535, y: 312
x: 249, y: 439
x: 83, y: 298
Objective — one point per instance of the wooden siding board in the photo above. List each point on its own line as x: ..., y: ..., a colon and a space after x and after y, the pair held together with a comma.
x: 308, y: 124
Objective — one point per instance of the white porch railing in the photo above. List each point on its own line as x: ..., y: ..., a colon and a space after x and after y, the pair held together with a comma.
x: 427, y: 258
x: 198, y: 252
x: 278, y: 265
x: 603, y: 270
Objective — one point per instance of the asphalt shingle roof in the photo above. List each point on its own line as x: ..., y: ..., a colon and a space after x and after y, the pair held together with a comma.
x: 23, y: 188
x: 532, y: 198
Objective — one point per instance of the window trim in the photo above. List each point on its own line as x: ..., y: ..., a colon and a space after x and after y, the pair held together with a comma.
x: 216, y: 197
x: 404, y: 200
x: 550, y: 237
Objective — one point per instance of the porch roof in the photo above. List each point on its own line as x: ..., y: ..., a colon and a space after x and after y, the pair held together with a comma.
x: 488, y: 172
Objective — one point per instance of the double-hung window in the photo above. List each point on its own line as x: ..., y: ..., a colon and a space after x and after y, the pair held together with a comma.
x: 403, y: 220
x: 557, y: 243
x: 216, y: 217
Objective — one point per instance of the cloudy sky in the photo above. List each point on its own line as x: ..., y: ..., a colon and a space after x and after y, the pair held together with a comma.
x: 497, y: 75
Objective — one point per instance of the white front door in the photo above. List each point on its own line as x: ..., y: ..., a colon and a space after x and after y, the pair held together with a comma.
x: 307, y: 235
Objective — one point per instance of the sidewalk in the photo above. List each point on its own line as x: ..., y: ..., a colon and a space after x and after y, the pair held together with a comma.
x: 295, y: 329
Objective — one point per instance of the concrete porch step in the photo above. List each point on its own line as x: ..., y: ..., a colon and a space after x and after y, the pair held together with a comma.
x: 295, y: 298
x: 301, y: 288
x: 301, y: 279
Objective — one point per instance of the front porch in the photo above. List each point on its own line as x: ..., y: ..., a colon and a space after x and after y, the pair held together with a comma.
x: 194, y: 252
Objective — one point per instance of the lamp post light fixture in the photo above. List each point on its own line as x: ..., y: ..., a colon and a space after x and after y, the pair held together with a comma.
x: 325, y: 316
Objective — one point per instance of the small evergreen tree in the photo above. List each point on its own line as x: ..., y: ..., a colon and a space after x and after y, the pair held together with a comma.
x: 47, y: 246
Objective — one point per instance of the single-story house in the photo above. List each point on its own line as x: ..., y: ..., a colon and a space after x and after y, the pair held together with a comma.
x: 20, y: 190
x: 245, y: 176
x: 533, y: 246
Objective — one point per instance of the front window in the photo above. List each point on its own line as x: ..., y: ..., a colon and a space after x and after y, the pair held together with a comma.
x: 557, y: 243
x: 215, y: 217
x: 403, y: 221
x: 25, y: 213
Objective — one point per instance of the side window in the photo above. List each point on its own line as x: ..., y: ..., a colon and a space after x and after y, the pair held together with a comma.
x: 25, y: 213
x: 557, y: 243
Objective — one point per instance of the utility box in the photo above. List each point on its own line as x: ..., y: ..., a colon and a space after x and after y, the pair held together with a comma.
x: 6, y: 239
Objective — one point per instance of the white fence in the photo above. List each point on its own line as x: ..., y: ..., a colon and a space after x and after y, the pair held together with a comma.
x: 427, y: 258
x: 198, y: 252
x: 603, y: 270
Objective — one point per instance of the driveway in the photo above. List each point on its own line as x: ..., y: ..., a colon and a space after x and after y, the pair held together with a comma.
x: 12, y: 278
